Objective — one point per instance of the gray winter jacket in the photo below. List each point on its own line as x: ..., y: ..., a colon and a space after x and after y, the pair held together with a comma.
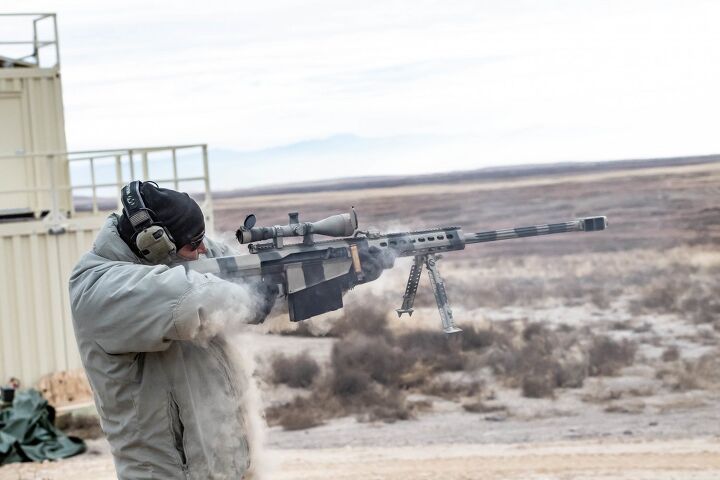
x: 170, y: 408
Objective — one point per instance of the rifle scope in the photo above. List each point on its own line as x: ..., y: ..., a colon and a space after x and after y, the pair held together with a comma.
x: 341, y: 225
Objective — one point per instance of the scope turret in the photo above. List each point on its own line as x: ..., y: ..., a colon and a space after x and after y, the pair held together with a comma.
x: 341, y: 225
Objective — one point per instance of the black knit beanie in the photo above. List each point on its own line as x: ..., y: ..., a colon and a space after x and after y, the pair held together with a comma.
x: 176, y: 211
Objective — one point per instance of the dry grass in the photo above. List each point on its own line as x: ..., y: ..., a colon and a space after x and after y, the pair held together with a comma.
x: 371, y: 370
x: 368, y: 318
x: 671, y: 354
x: 703, y: 372
x: 608, y: 356
x: 686, y: 290
x: 299, y: 414
x: 452, y: 390
x: 542, y: 362
x: 480, y: 406
x: 628, y: 269
x: 82, y: 426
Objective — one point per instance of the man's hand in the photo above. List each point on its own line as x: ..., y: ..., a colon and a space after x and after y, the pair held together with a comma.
x: 266, y: 294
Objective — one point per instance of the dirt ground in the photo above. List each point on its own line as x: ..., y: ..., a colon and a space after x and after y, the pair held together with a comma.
x: 651, y: 279
x: 601, y: 459
x: 577, y: 460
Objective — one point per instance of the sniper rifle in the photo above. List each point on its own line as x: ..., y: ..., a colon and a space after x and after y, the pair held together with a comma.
x: 313, y: 275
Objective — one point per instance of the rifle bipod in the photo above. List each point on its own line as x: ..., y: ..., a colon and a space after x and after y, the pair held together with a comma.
x: 438, y: 286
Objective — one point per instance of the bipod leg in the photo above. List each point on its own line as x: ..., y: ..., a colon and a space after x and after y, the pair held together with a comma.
x: 438, y: 286
x: 412, y: 285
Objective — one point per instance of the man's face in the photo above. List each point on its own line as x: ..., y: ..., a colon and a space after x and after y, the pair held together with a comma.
x: 188, y: 253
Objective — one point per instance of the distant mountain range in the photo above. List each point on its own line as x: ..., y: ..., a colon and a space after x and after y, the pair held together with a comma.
x: 482, y: 174
x: 333, y: 157
x: 348, y: 161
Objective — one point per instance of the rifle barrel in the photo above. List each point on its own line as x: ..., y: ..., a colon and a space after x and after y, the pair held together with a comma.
x: 588, y: 224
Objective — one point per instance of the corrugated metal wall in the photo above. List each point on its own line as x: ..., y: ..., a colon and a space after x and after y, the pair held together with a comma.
x: 35, y: 95
x: 36, y: 333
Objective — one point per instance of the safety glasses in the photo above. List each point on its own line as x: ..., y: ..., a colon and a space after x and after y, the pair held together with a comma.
x: 196, y: 241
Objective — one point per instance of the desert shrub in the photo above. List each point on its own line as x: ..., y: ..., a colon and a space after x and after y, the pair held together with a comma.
x: 371, y: 402
x: 423, y: 405
x: 494, y: 292
x: 533, y: 330
x: 296, y: 371
x: 537, y: 370
x: 705, y: 369
x: 83, y: 426
x: 375, y: 402
x: 572, y: 373
x: 539, y: 384
x: 299, y: 414
x: 386, y: 405
x: 346, y: 382
x: 478, y: 406
x: 476, y: 339
x: 540, y: 364
x: 565, y: 328
x: 540, y: 339
x: 692, y: 374
x: 364, y: 378
x: 368, y: 318
x: 704, y: 308
x: 661, y: 296
x: 694, y: 295
x: 644, y: 328
x: 450, y: 363
x: 671, y: 354
x: 439, y: 352
x: 606, y: 356
x: 684, y: 381
x: 633, y: 407
x: 504, y: 361
x: 426, y: 343
x: 359, y: 356
x: 600, y: 299
x: 301, y: 330
x: 452, y: 389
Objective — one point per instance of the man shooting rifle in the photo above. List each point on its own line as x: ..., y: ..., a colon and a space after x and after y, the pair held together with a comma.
x: 170, y: 406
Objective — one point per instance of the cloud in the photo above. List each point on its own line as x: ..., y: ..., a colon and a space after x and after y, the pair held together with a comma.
x: 505, y: 81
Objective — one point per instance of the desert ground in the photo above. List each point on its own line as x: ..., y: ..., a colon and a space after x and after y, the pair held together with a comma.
x: 584, y: 355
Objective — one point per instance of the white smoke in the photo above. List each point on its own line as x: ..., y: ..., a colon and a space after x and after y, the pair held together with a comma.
x: 227, y: 307
x: 225, y: 315
x: 241, y: 353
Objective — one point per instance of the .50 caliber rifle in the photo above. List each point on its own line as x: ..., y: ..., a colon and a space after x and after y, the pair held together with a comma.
x: 313, y: 275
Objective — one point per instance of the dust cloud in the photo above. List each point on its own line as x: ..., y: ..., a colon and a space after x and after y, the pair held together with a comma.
x: 226, y: 315
x: 227, y: 307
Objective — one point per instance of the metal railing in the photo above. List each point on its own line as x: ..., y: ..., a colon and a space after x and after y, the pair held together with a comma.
x: 34, y: 58
x: 60, y: 187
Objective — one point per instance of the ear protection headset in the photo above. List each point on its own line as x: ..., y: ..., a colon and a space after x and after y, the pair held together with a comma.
x: 151, y: 238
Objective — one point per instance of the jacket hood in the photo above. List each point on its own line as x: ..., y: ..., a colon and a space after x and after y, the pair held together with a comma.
x: 108, y: 244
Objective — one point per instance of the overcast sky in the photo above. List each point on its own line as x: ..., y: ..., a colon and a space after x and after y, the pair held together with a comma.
x: 384, y: 87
